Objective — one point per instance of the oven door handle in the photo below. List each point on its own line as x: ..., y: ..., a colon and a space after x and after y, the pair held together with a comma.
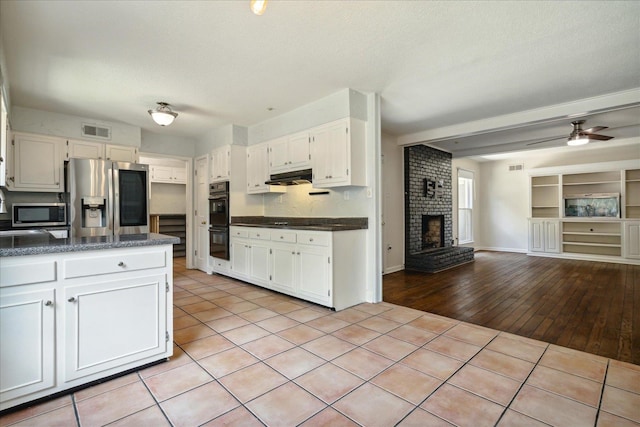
x: 221, y: 197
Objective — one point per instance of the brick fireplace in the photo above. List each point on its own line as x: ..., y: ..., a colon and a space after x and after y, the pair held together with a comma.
x: 429, y: 212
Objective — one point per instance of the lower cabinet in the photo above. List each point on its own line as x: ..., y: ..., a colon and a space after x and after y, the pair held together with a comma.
x: 544, y: 235
x: 62, y: 326
x: 27, y: 341
x: 326, y: 268
x: 632, y: 239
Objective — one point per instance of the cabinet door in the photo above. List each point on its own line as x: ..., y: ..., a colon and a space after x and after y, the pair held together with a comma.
x: 257, y: 170
x: 85, y: 150
x: 113, y: 323
x: 552, y: 236
x: 283, y: 268
x: 240, y: 255
x: 314, y: 279
x: 536, y: 236
x: 4, y: 135
x: 161, y: 174
x: 278, y: 155
x: 220, y: 160
x: 121, y: 153
x: 27, y: 334
x: 299, y: 151
x: 37, y: 163
x: 259, y: 257
x: 632, y: 239
x: 180, y: 175
x: 331, y: 155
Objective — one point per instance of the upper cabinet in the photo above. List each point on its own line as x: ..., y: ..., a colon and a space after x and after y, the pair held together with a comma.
x: 338, y: 154
x: 85, y: 149
x: 290, y: 153
x: 258, y: 171
x: 97, y: 150
x: 219, y: 164
x: 4, y: 134
x: 36, y: 163
x: 121, y: 153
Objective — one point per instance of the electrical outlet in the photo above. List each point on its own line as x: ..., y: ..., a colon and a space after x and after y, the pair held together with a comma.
x: 280, y: 198
x: 346, y: 195
x: 369, y: 193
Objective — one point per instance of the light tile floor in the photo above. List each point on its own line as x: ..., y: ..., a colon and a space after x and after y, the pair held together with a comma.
x: 246, y: 356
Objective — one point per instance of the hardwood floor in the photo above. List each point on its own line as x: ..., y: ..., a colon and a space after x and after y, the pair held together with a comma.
x: 584, y: 305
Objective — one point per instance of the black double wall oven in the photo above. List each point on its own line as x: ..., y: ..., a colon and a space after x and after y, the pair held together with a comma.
x: 219, y: 220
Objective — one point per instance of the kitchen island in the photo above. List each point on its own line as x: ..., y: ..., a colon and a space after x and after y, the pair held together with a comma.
x: 322, y: 260
x: 73, y: 311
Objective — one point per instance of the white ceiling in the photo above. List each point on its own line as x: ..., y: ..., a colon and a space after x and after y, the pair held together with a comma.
x: 436, y: 64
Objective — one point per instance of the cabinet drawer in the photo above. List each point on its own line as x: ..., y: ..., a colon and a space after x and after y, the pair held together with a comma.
x: 27, y: 273
x: 283, y: 236
x: 314, y: 239
x: 94, y: 265
x: 260, y: 234
x: 239, y: 232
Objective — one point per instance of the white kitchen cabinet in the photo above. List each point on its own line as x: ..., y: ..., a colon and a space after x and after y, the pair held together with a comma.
x: 99, y: 319
x: 85, y: 149
x: 290, y: 153
x: 220, y: 161
x: 544, y: 235
x: 632, y: 239
x: 4, y: 135
x: 283, y: 268
x: 27, y: 337
x: 121, y: 153
x: 36, y: 163
x: 167, y: 174
x: 338, y: 154
x: 240, y: 255
x: 324, y: 267
x: 68, y: 319
x: 258, y: 171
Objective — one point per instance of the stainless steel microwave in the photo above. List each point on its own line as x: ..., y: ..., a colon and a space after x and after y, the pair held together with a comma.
x: 38, y: 214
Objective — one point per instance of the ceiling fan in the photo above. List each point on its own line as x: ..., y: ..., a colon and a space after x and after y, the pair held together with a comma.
x: 579, y: 136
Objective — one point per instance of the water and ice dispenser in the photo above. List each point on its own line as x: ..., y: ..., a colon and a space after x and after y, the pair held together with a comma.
x: 94, y: 212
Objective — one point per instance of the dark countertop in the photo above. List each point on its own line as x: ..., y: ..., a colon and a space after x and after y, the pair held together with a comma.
x: 46, y: 244
x: 298, y: 223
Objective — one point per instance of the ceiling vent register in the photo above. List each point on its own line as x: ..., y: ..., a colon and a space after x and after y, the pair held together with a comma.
x: 516, y: 168
x: 95, y: 131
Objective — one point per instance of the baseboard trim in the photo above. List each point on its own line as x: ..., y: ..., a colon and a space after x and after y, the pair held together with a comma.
x: 393, y: 269
x: 498, y: 249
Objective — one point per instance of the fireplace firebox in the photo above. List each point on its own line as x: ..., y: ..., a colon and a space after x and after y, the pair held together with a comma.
x: 432, y: 231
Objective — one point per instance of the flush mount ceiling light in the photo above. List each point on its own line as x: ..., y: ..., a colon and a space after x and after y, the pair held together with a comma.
x: 163, y: 115
x: 258, y: 6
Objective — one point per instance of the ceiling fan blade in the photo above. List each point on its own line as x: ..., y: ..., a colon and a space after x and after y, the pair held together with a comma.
x: 546, y: 140
x: 595, y: 129
x: 599, y: 137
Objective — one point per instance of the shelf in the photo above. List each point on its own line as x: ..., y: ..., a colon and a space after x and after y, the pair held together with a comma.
x: 545, y: 207
x: 568, y: 184
x: 544, y: 185
x: 599, y: 245
x: 583, y: 233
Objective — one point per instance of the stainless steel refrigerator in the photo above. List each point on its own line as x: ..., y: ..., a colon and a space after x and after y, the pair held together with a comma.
x: 107, y: 198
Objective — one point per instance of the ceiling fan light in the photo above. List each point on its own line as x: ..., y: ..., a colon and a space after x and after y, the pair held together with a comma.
x: 577, y: 140
x: 258, y: 6
x: 163, y: 115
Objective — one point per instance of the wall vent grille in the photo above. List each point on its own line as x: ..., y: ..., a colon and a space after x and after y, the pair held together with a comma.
x: 516, y: 168
x: 95, y: 131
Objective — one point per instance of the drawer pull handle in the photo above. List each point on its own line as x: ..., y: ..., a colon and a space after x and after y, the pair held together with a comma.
x: 48, y: 303
x: 282, y: 237
x: 72, y: 299
x: 311, y: 239
x: 121, y: 264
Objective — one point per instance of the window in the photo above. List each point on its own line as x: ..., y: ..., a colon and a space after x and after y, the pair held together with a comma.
x: 465, y: 206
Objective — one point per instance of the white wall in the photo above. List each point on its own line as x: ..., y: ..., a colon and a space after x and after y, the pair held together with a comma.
x: 67, y: 126
x: 504, y: 205
x: 392, y: 204
x: 167, y: 199
x: 167, y: 144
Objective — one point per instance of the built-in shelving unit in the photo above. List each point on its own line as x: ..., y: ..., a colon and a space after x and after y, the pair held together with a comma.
x: 632, y: 194
x: 544, y: 196
x: 600, y: 219
x: 172, y: 225
x: 594, y: 238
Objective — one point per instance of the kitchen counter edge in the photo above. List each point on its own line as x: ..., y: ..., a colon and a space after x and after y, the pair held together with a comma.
x: 12, y: 246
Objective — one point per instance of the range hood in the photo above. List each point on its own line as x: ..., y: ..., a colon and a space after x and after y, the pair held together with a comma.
x: 291, y: 178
